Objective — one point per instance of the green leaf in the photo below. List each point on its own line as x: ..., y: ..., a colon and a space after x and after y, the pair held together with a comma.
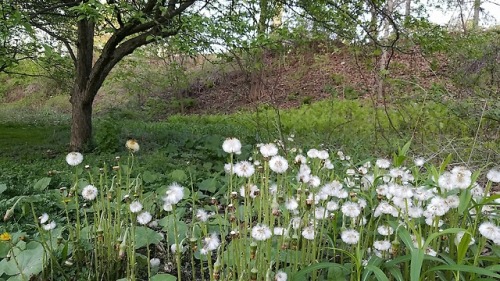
x: 29, y: 262
x: 178, y: 175
x: 373, y: 262
x: 396, y: 273
x: 301, y: 275
x: 463, y: 246
x: 3, y: 187
x: 42, y: 184
x: 149, y: 177
x: 465, y: 198
x: 444, y: 232
x: 169, y: 227
x: 466, y: 268
x: 145, y: 236
x: 209, y: 185
x: 163, y: 277
x: 379, y: 274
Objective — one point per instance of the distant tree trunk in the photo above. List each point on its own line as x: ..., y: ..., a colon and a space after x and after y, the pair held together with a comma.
x: 475, y: 19
x: 384, y: 56
x: 373, y: 23
x: 256, y: 77
x: 407, y: 9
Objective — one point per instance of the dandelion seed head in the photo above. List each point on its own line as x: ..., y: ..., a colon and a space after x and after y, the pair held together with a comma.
x: 323, y: 154
x: 261, y: 232
x: 269, y: 150
x: 383, y: 163
x: 249, y: 190
x: 280, y: 231
x: 351, y: 209
x: 308, y: 232
x: 89, y: 192
x: 232, y: 145
x: 291, y: 204
x: 385, y: 230
x: 244, y: 169
x: 132, y: 145
x: 320, y: 213
x: 419, y: 162
x: 74, y: 158
x: 382, y: 245
x: 154, y: 262
x: 135, y: 207
x: 202, y: 215
x: 49, y: 226
x: 350, y: 236
x: 280, y: 276
x: 278, y: 164
x: 43, y: 218
x: 174, y: 248
x: 312, y: 153
x: 174, y: 194
x: 144, y: 218
x: 493, y: 175
x: 489, y: 231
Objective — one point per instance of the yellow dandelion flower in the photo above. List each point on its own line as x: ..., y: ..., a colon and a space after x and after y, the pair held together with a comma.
x: 5, y: 237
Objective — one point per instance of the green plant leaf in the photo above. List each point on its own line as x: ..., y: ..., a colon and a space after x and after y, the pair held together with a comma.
x: 379, y: 274
x: 42, y: 184
x: 163, y: 277
x: 146, y: 236
x: 29, y: 262
x: 465, y: 198
x: 209, y: 185
x: 3, y: 187
x: 178, y: 175
x: 463, y: 246
x: 466, y: 268
x: 301, y: 275
x: 149, y: 177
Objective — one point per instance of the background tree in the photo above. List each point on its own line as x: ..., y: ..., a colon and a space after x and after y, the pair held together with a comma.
x: 123, y: 25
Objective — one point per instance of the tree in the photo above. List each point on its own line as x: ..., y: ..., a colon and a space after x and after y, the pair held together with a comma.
x: 127, y: 25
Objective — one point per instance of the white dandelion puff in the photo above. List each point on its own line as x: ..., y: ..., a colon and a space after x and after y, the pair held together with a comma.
x: 74, y: 158
x: 493, y: 175
x: 49, y: 226
x: 135, y: 207
x: 383, y: 163
x: 350, y: 236
x: 174, y: 194
x: 280, y: 276
x: 43, y: 218
x: 308, y: 232
x: 278, y: 164
x: 268, y: 150
x: 232, y: 145
x: 261, y: 232
x: 144, y: 218
x: 244, y: 169
x: 89, y: 192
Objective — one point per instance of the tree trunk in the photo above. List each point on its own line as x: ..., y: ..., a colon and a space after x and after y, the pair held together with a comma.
x: 81, y: 123
x: 407, y: 9
x: 82, y: 96
x: 383, y: 59
x: 475, y: 19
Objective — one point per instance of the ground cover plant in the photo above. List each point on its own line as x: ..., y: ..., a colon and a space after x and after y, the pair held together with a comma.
x: 279, y: 212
